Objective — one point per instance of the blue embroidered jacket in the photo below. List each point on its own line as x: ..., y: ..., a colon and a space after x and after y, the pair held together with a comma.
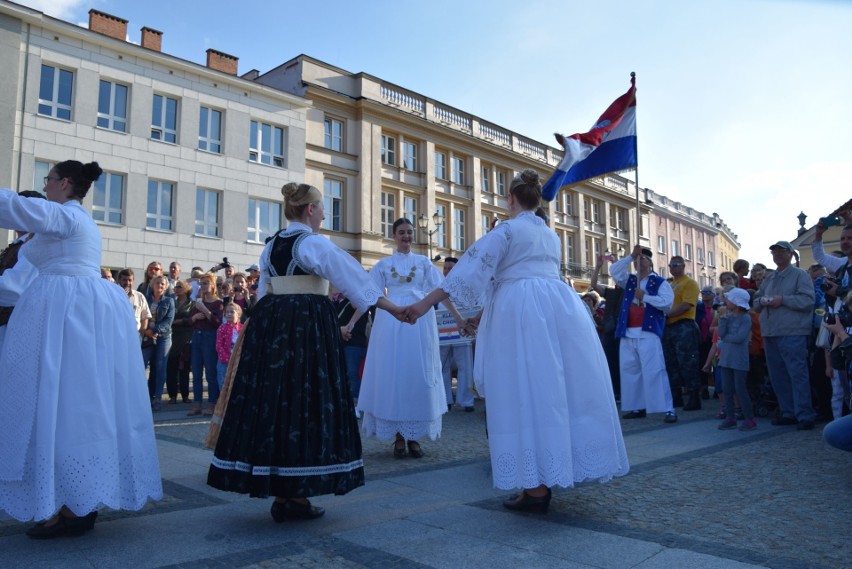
x: 654, y: 320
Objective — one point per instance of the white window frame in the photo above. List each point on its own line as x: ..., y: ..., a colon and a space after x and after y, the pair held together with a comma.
x: 210, y: 200
x: 459, y: 242
x: 486, y: 180
x: 332, y: 197
x: 501, y: 183
x: 103, y: 196
x: 441, y: 165
x: 41, y: 169
x: 596, y: 211
x: 687, y: 251
x: 700, y: 255
x: 160, y: 130
x: 409, y: 156
x: 109, y: 117
x: 333, y: 137
x: 388, y: 214
x: 675, y: 248
x: 206, y: 142
x: 661, y: 244
x: 269, y: 144
x: 388, y: 150
x: 53, y: 106
x: 441, y: 230
x: 710, y: 259
x: 458, y: 170
x: 570, y: 247
x: 162, y: 218
x: 258, y: 228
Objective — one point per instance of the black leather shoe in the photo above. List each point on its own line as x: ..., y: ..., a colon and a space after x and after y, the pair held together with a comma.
x: 414, y: 450
x: 299, y: 511
x: 523, y: 502
x: 470, y: 409
x: 43, y: 531
x: 79, y: 525
x: 641, y: 414
x: 399, y: 448
x: 670, y: 418
x: 805, y: 425
x: 784, y: 421
x: 277, y: 511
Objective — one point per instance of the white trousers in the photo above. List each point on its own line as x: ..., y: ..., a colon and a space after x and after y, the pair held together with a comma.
x: 644, y: 381
x: 462, y: 356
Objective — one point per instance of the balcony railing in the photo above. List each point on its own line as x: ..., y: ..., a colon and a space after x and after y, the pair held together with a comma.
x: 403, y: 99
x: 496, y: 135
x: 537, y: 151
x: 448, y: 116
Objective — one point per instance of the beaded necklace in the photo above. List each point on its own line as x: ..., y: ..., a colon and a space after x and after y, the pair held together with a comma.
x: 402, y: 279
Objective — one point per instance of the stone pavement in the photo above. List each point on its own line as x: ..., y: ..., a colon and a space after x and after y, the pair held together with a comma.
x: 696, y: 497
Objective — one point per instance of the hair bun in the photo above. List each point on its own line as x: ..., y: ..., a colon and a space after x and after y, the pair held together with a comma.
x: 92, y: 171
x: 530, y: 176
x: 289, y: 190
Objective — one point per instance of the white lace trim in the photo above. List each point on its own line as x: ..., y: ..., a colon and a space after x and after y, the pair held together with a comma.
x: 385, y: 430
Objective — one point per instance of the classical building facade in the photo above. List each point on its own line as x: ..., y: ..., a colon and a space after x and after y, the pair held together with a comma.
x: 706, y: 243
x: 193, y: 156
x: 380, y: 152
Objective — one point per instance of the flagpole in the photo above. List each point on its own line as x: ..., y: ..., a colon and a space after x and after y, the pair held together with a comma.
x: 636, y: 171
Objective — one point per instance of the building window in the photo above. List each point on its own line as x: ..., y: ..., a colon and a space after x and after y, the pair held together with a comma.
x: 334, y: 134
x: 112, y: 106
x: 587, y: 209
x: 486, y: 223
x: 264, y: 219
x: 55, y: 91
x: 440, y: 165
x: 108, y: 200
x: 675, y: 248
x: 687, y: 252
x: 700, y: 253
x: 409, y: 156
x: 40, y: 171
x: 207, y: 213
x: 569, y: 247
x: 486, y: 180
x: 164, y: 119
x: 710, y: 259
x: 458, y: 230
x: 409, y: 209
x: 501, y: 183
x: 388, y: 214
x: 332, y: 200
x: 661, y: 244
x: 569, y: 203
x: 159, y: 213
x: 458, y: 171
x: 266, y: 144
x: 441, y: 233
x: 210, y: 130
x: 388, y: 150
x: 596, y: 212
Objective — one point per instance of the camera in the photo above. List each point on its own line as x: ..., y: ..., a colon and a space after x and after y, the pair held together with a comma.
x: 844, y: 316
x: 830, y: 221
x: 828, y: 282
x: 221, y: 265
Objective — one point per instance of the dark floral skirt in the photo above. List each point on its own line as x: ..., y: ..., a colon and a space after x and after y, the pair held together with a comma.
x: 290, y: 427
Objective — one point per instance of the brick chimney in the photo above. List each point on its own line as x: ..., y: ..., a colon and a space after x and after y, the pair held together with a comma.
x: 152, y: 39
x: 108, y: 25
x: 222, y: 62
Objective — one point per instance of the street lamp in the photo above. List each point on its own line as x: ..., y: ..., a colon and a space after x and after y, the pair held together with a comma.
x: 802, y: 217
x: 423, y: 223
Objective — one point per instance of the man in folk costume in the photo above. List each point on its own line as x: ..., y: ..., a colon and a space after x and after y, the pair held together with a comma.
x: 12, y: 283
x: 647, y: 298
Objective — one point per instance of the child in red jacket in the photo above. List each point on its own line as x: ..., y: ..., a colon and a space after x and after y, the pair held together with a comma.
x: 226, y: 336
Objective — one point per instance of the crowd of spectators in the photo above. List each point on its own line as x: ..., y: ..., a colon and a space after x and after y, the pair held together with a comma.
x: 178, y: 321
x: 787, y: 364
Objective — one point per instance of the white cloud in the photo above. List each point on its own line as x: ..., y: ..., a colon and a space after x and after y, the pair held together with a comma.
x: 63, y: 9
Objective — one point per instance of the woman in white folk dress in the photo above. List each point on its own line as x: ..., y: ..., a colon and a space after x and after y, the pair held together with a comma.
x: 552, y: 419
x: 76, y: 431
x: 402, y: 389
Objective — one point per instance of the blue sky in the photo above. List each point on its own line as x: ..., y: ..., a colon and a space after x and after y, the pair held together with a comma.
x: 742, y: 104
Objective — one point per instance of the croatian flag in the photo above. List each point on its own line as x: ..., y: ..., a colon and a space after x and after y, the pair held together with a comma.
x: 609, y: 147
